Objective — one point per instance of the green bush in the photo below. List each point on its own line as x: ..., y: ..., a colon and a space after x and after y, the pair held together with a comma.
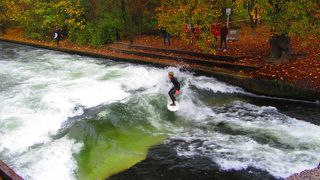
x: 72, y: 36
x: 84, y: 36
x: 105, y: 31
x: 98, y: 36
x: 36, y: 36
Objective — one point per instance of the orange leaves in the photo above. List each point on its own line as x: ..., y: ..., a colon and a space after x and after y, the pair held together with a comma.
x: 294, y: 71
x: 304, y: 67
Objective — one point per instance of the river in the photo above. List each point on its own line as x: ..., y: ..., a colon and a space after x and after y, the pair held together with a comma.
x: 72, y: 117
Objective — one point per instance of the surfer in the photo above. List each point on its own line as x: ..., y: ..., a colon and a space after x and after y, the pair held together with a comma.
x: 175, y: 89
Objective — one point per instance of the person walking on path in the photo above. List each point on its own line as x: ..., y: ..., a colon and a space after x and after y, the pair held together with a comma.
x: 57, y: 36
x: 223, y: 36
x: 166, y: 37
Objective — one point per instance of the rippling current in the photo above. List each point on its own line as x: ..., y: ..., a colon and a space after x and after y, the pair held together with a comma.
x: 71, y: 117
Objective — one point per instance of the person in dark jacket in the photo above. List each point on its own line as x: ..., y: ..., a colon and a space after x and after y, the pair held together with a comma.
x: 57, y: 36
x: 166, y: 36
x: 117, y: 35
x: 223, y: 36
x: 175, y: 89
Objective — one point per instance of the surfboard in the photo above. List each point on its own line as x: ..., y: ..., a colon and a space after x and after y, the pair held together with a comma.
x: 173, y: 108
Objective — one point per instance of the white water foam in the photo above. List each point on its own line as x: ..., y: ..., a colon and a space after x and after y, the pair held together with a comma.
x: 52, y: 161
x: 213, y: 85
x: 49, y: 86
x: 48, y: 89
x: 241, y: 135
x: 46, y: 108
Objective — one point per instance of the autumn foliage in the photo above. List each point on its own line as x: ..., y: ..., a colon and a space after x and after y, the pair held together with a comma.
x: 303, y: 70
x: 95, y: 23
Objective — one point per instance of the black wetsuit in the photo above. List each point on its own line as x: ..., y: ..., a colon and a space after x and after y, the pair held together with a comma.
x: 176, y: 86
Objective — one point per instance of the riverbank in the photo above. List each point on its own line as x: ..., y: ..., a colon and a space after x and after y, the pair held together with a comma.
x: 313, y: 174
x: 233, y: 70
x: 7, y: 173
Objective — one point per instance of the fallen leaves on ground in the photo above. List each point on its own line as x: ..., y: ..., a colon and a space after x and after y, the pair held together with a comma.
x: 303, y: 70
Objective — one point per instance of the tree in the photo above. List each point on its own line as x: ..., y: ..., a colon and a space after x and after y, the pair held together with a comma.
x: 9, y: 13
x: 173, y: 15
x: 61, y: 14
x: 3, y: 17
x: 134, y: 13
x: 254, y: 12
x: 108, y: 19
x: 287, y: 18
x: 39, y: 18
x: 92, y: 22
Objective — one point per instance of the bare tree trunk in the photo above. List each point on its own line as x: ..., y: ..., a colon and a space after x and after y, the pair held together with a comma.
x: 94, y: 13
x: 253, y: 17
x: 280, y: 49
x: 253, y: 23
x: 127, y: 22
x: 1, y: 28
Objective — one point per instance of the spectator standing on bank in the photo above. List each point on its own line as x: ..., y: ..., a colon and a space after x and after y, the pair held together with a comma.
x: 197, y: 31
x: 166, y: 37
x: 117, y: 35
x: 188, y: 31
x: 215, y: 31
x: 1, y: 29
x: 223, y: 36
x: 57, y: 36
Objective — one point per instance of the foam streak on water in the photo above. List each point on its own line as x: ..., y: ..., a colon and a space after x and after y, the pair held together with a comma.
x: 40, y: 90
x: 240, y: 135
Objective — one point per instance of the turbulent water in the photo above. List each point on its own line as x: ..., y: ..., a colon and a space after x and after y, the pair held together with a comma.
x: 70, y: 117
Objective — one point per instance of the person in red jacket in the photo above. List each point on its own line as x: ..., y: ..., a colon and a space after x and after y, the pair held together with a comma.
x: 197, y: 31
x: 215, y: 32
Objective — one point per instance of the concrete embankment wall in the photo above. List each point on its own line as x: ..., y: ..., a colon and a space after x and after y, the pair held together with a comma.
x: 273, y: 88
x: 6, y: 173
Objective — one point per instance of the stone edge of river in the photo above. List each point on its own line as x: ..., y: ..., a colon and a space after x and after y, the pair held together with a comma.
x: 7, y: 173
x: 313, y: 174
x: 267, y: 87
